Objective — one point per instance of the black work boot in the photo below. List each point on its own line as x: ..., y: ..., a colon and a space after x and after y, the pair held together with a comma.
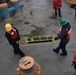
x: 56, y: 51
x: 15, y: 52
x: 75, y: 66
x: 60, y: 15
x: 62, y: 54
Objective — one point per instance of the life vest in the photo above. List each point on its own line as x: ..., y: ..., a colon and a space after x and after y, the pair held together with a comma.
x: 13, y: 34
x: 68, y: 32
x: 57, y: 4
x: 74, y: 58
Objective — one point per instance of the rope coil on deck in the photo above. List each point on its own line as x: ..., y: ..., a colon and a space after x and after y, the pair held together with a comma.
x: 3, y: 5
x: 29, y: 70
x: 27, y: 64
x: 71, y: 1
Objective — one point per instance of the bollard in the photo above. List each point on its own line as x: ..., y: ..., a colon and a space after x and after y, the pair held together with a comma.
x: 27, y: 66
x: 12, y: 8
x: 71, y: 1
x: 4, y: 13
x: 15, y: 3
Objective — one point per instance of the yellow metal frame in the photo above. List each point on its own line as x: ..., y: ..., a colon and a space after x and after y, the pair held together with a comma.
x: 39, y: 38
x: 26, y: 42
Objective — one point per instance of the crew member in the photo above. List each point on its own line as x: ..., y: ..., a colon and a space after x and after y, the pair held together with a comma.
x: 57, y: 4
x: 64, y: 35
x: 12, y: 35
x: 74, y: 62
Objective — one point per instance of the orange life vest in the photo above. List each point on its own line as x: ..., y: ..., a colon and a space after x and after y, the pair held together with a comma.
x: 68, y: 33
x: 13, y: 34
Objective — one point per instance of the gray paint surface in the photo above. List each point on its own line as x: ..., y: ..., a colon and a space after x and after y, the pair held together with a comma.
x: 39, y: 24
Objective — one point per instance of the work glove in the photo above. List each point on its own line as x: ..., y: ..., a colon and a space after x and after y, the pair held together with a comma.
x: 18, y: 38
x: 17, y: 42
x: 72, y: 64
x: 57, y: 34
x: 55, y: 38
